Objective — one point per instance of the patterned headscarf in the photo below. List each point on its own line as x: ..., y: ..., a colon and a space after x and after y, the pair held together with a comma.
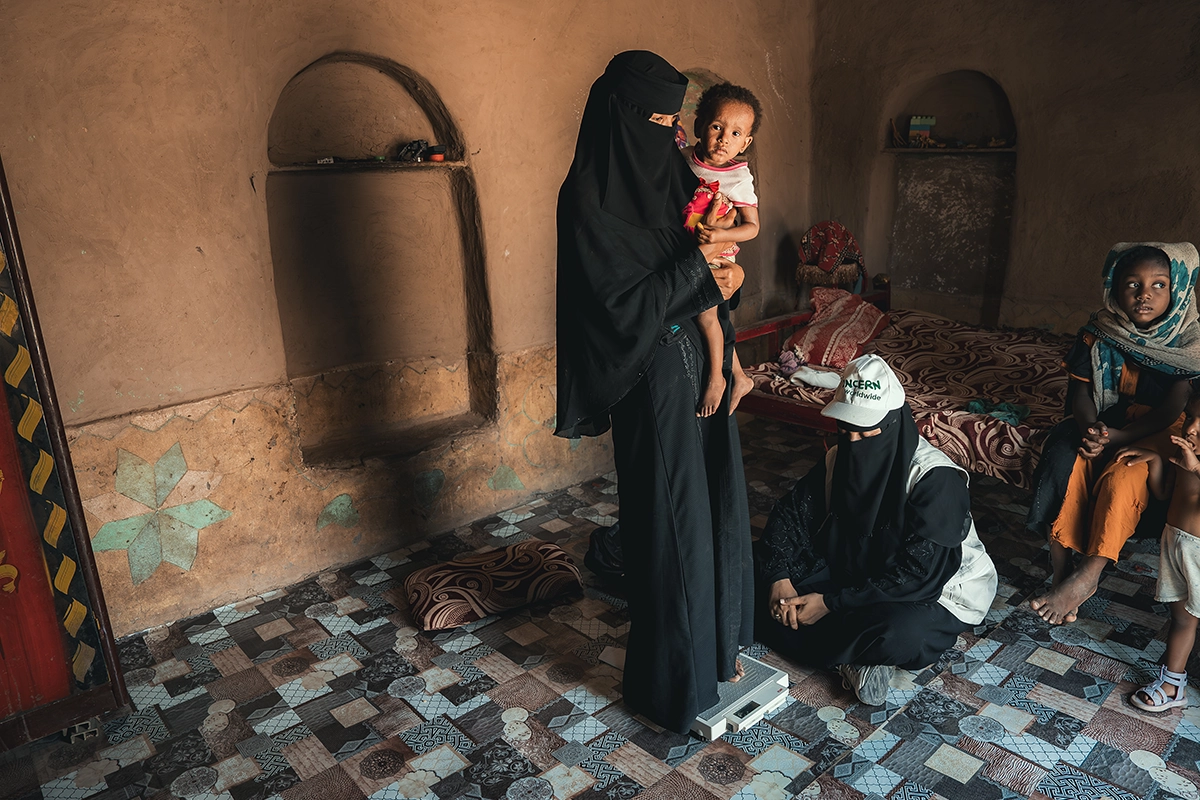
x: 1172, y: 346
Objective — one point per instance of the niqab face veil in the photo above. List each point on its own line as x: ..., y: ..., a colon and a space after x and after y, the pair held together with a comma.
x: 869, y: 488
x: 631, y: 159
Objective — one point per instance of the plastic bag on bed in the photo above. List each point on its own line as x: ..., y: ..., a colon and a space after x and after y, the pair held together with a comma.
x: 816, y: 376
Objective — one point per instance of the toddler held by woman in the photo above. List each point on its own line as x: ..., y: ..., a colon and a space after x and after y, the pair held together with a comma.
x: 727, y: 117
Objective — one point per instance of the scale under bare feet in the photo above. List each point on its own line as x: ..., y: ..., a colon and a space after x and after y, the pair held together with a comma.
x: 739, y: 705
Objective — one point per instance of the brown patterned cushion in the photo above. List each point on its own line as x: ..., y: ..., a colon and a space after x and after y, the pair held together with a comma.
x: 478, y: 584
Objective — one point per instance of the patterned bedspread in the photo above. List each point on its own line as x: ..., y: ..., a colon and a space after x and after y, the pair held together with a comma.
x: 944, y: 365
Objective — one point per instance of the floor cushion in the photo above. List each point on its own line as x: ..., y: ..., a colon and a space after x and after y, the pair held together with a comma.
x: 476, y: 585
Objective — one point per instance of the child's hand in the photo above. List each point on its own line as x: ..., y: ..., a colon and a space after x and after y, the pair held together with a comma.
x: 1187, y: 456
x: 1095, y: 439
x: 1136, y: 455
x: 713, y: 218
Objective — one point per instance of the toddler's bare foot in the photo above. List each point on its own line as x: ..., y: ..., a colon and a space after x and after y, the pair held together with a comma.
x: 713, y: 392
x: 742, y: 386
x: 1061, y: 604
x: 741, y: 672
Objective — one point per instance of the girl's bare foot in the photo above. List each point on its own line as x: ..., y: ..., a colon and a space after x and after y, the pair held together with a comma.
x: 713, y: 392
x: 1061, y: 604
x: 742, y: 386
x: 740, y: 670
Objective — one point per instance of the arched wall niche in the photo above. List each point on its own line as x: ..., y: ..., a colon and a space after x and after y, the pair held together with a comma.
x: 940, y: 220
x: 380, y: 275
x: 343, y: 110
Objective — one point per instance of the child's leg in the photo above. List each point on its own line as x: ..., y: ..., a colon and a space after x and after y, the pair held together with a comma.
x: 742, y: 384
x: 714, y: 343
x: 1180, y: 638
x: 1060, y: 562
x: 1070, y: 532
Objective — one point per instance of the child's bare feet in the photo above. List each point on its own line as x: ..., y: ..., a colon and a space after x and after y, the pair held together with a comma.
x: 741, y: 672
x: 1061, y: 604
x: 1069, y: 588
x: 742, y: 386
x: 713, y: 392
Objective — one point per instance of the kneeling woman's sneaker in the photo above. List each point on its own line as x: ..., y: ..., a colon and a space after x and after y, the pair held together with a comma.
x: 870, y: 684
x: 1153, y: 697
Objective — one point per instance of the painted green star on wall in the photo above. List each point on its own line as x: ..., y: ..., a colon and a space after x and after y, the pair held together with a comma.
x: 156, y: 513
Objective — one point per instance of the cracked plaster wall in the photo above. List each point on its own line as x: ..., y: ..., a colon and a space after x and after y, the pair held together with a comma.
x: 265, y: 518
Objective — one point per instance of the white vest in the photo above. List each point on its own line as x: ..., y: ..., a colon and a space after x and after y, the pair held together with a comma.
x: 969, y: 593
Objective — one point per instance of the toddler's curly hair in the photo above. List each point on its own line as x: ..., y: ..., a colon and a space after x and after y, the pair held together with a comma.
x: 720, y: 93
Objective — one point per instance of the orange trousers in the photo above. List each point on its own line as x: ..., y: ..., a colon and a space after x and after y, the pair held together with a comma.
x: 1100, y: 512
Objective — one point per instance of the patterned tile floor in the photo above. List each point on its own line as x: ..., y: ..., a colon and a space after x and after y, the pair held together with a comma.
x: 324, y: 691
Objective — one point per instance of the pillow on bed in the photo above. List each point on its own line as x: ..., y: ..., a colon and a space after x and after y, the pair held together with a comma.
x: 841, y: 325
x: 480, y: 584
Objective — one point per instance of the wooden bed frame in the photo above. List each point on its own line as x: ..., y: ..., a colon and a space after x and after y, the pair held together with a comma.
x: 771, y: 333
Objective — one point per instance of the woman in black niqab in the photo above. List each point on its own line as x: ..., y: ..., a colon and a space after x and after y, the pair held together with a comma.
x: 631, y: 281
x: 877, y: 552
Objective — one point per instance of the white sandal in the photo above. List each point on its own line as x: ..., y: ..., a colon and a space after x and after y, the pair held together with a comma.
x: 1159, y: 700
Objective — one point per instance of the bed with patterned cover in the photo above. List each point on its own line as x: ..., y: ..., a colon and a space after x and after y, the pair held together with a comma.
x: 944, y: 365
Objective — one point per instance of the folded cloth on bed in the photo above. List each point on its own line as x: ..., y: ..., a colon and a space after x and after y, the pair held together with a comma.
x: 814, y: 376
x: 841, y: 325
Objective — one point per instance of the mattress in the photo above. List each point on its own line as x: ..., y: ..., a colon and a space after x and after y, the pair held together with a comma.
x: 944, y: 365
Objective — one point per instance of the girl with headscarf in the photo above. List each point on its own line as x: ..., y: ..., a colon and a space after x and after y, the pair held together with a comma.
x: 1129, y: 371
x: 872, y: 562
x: 631, y: 281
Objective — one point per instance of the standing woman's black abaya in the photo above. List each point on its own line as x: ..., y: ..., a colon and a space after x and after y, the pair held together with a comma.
x: 630, y: 284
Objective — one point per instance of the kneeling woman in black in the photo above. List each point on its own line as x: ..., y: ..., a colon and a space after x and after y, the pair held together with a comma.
x: 872, y: 562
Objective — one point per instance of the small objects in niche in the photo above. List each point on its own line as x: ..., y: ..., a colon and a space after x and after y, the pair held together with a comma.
x: 898, y: 139
x: 997, y: 141
x: 436, y: 152
x: 880, y: 280
x: 326, y: 160
x: 413, y: 152
x: 919, y: 131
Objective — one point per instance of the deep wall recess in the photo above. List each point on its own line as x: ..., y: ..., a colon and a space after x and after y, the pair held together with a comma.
x: 952, y: 219
x: 380, y: 274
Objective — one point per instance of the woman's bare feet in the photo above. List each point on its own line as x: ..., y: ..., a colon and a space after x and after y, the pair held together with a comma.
x: 713, y: 392
x: 741, y: 671
x: 1061, y: 604
x: 742, y: 386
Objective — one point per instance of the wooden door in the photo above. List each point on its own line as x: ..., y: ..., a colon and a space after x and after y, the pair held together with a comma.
x: 58, y: 662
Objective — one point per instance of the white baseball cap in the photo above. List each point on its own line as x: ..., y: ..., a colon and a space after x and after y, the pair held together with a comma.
x: 868, y: 391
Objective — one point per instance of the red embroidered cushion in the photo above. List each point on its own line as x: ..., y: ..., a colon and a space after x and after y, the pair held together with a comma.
x: 476, y: 585
x: 841, y: 325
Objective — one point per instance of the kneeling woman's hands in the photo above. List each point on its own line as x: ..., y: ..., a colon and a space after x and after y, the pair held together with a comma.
x: 792, y: 611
